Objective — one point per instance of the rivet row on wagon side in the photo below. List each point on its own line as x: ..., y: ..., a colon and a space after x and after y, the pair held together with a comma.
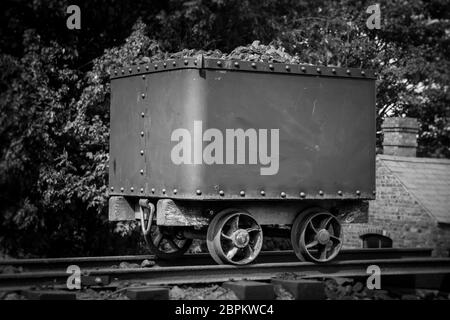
x: 142, y: 133
x: 212, y: 63
x: 241, y: 193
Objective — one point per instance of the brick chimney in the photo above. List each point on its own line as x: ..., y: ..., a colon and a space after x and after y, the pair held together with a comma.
x: 400, y: 136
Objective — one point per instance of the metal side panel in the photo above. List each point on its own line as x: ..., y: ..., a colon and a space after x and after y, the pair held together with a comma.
x: 326, y: 141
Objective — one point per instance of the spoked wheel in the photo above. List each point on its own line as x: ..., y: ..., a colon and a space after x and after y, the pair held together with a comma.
x: 166, y: 242
x: 234, y: 237
x: 316, y: 236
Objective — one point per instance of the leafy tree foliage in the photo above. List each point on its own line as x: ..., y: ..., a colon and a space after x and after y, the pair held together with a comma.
x: 54, y: 98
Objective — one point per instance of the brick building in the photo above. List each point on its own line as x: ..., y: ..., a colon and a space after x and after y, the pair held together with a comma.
x: 412, y: 205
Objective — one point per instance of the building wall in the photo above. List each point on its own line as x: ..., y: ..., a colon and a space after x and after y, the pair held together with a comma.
x: 401, y: 217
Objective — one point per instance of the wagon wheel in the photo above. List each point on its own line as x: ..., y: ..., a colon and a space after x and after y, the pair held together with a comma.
x: 166, y: 243
x: 234, y: 237
x: 211, y: 232
x: 316, y: 236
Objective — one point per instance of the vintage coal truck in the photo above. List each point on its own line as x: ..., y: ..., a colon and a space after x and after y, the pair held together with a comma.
x: 229, y: 151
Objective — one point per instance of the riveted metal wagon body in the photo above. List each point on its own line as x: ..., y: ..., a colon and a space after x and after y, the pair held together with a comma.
x: 201, y: 135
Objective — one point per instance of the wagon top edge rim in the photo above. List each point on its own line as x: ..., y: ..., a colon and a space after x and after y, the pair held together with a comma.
x: 201, y: 62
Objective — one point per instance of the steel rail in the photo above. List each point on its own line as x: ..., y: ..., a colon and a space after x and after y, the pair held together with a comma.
x: 204, y: 259
x: 220, y: 273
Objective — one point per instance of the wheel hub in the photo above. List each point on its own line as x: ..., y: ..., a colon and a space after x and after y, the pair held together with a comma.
x: 234, y: 237
x: 323, y: 236
x: 241, y: 238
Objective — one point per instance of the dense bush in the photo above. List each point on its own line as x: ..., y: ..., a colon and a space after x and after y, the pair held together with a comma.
x: 55, y: 121
x: 54, y: 98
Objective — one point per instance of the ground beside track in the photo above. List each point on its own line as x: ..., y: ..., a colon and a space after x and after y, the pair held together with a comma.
x: 335, y: 289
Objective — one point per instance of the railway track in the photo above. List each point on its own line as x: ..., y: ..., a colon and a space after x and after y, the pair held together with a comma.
x: 29, y: 265
x: 403, y: 264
